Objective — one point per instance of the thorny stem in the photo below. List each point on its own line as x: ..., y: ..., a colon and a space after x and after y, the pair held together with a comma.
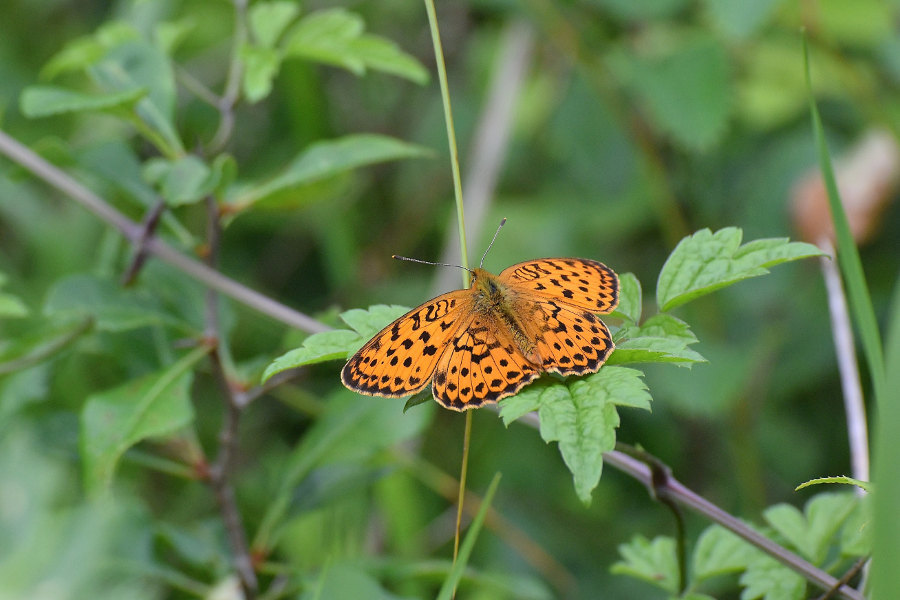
x: 57, y: 178
x: 220, y: 470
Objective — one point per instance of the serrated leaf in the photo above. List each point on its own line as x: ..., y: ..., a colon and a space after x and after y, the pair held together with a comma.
x: 654, y: 561
x: 332, y: 157
x: 812, y: 531
x: 687, y: 92
x: 705, y: 262
x: 336, y: 37
x: 369, y: 322
x: 629, y: 298
x: 581, y: 416
x: 719, y: 552
x: 114, y: 420
x: 662, y: 338
x: 261, y: 65
x: 841, y: 479
x: 319, y: 347
x: 112, y: 307
x: 44, y: 100
x: 768, y: 579
x: 268, y: 20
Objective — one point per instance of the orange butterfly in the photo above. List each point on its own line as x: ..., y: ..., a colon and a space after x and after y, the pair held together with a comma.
x: 486, y: 342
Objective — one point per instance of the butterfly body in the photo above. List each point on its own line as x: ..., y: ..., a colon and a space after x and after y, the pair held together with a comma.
x: 486, y: 342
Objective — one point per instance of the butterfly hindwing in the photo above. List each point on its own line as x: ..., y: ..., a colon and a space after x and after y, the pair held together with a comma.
x: 401, y: 358
x: 482, y: 364
x: 578, y: 282
x: 572, y: 340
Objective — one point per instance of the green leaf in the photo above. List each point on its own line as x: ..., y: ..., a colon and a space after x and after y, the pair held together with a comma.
x: 12, y: 307
x: 183, y: 181
x: 347, y: 581
x: 40, y: 344
x: 140, y: 65
x: 687, y: 91
x: 706, y: 261
x: 719, y: 552
x: 170, y: 34
x: 81, y: 53
x: 630, y: 300
x: 642, y: 11
x: 862, y: 23
x: 113, y: 308
x: 268, y: 20
x: 150, y: 406
x: 319, y: 347
x: 812, y: 531
x: 336, y: 37
x: 581, y: 416
x: 332, y: 157
x: 662, y: 338
x: 448, y: 590
x: 261, y: 65
x: 768, y: 579
x: 739, y: 19
x: 654, y: 561
x: 44, y: 100
x: 350, y: 431
x: 369, y: 322
x: 857, y: 534
x: 865, y: 485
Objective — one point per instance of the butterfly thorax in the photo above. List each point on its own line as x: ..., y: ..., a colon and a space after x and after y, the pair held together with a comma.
x: 495, y: 300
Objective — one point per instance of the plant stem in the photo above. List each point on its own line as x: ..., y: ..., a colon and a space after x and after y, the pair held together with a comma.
x: 451, y: 134
x: 855, y: 408
x: 47, y: 172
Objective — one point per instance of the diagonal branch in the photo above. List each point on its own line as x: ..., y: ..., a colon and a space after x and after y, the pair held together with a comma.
x: 132, y: 231
x: 660, y: 482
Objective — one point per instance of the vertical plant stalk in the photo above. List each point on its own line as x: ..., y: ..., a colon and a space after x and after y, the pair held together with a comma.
x: 225, y: 104
x: 221, y: 470
x: 490, y: 143
x: 855, y: 408
x: 461, y: 222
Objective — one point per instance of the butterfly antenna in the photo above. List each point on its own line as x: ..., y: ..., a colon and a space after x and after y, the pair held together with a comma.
x: 426, y: 262
x: 502, y: 223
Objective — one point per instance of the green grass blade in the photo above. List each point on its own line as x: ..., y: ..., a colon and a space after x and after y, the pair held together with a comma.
x: 848, y: 255
x: 465, y: 551
x: 886, y: 550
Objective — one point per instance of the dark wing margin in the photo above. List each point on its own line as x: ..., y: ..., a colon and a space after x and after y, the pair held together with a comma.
x: 578, y: 282
x: 401, y: 358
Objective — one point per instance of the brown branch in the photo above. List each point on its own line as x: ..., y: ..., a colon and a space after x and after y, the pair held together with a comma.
x: 220, y: 470
x: 57, y: 178
x: 661, y: 483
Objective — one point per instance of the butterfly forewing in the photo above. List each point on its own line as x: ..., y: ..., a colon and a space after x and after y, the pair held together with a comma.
x: 401, y: 358
x: 578, y: 282
x: 481, y: 365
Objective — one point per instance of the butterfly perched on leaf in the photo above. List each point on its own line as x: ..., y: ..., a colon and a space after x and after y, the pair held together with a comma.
x: 485, y: 343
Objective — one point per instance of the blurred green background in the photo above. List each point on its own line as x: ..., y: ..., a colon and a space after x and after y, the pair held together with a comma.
x: 633, y: 124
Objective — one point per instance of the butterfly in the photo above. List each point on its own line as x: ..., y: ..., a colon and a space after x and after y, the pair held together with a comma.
x: 484, y: 343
